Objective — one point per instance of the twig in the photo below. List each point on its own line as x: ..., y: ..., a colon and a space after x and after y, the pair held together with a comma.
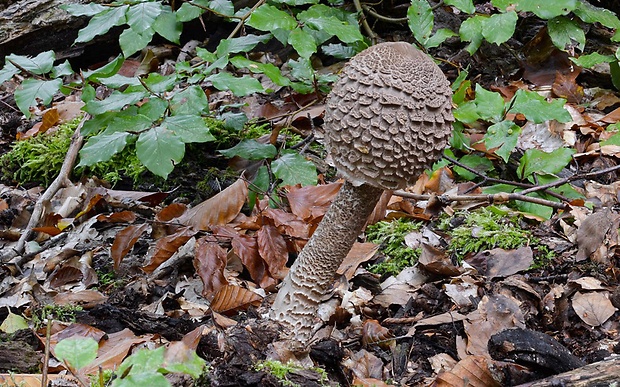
x: 565, y: 180
x: 491, y: 199
x: 244, y: 18
x: 371, y: 34
x: 62, y: 180
x: 387, y: 19
x: 46, y: 357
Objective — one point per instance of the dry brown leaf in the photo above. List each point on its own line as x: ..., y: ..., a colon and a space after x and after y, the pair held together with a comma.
x: 231, y: 298
x: 178, y: 352
x: 118, y: 217
x: 359, y: 253
x: 591, y: 233
x: 364, y: 365
x: 374, y: 333
x: 210, y: 261
x: 436, y: 261
x: 565, y: 86
x: 166, y: 247
x: 287, y: 223
x: 64, y: 275
x: 473, y: 371
x: 369, y: 382
x: 170, y: 212
x: 32, y: 380
x: 124, y: 241
x: 502, y: 263
x: 115, y: 349
x: 272, y: 248
x: 87, y: 299
x: 593, y: 308
x: 222, y: 321
x: 246, y: 248
x: 218, y: 210
x: 311, y: 202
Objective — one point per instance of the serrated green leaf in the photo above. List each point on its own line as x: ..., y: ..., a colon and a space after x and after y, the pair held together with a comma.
x: 105, y: 71
x: 268, y: 18
x: 489, y: 104
x: 89, y: 9
x: 190, y: 101
x: 32, y: 89
x: 564, y: 33
x: 40, y: 64
x: 159, y: 149
x: 338, y: 51
x: 240, y: 86
x: 251, y: 150
x: 503, y: 136
x: 466, y: 6
x: 168, y: 26
x: 537, y: 161
x: 242, y: 44
x: 102, y: 147
x: 78, y: 352
x: 500, y: 27
x: 13, y: 323
x: 591, y: 14
x: 116, y: 101
x: 132, y: 42
x: 189, y: 128
x: 223, y: 7
x: 102, y: 22
x: 475, y: 162
x: 188, y: 12
x: 439, y: 37
x: 471, y: 31
x: 591, y: 60
x: 61, y: 70
x: 537, y: 109
x: 292, y: 168
x: 421, y: 19
x: 302, y: 42
x: 548, y: 9
x: 142, y: 16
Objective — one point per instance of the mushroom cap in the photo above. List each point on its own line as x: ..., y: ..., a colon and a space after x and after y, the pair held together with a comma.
x: 388, y: 116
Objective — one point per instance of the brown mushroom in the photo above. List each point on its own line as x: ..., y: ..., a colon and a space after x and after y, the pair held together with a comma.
x: 387, y: 119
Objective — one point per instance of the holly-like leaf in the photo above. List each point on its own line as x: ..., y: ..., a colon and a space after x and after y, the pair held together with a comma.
x: 566, y: 33
x: 32, y: 90
x: 189, y: 128
x: 102, y: 147
x: 78, y: 352
x: 102, y: 22
x: 537, y: 109
x: 251, y: 150
x: 40, y: 64
x: 537, y: 161
x: 159, y: 149
x: 240, y: 86
x: 268, y: 18
x: 500, y: 27
x: 292, y: 168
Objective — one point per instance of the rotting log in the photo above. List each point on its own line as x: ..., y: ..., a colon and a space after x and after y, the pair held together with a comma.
x: 602, y: 373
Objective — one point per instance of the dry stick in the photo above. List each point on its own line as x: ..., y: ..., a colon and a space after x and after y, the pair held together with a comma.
x: 491, y: 199
x: 61, y: 181
x: 371, y: 34
x: 244, y: 18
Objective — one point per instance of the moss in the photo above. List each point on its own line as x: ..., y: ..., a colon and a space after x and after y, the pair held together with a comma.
x: 281, y: 371
x: 391, y: 236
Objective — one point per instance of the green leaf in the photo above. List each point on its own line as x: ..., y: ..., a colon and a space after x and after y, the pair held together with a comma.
x: 102, y: 22
x: 268, y: 18
x: 500, y: 27
x: 32, y: 89
x: 489, y: 104
x: 61, y: 70
x: 565, y: 33
x: 7, y: 72
x: 89, y: 9
x: 268, y: 69
x: 591, y: 14
x: 240, y: 86
x: 132, y: 42
x: 467, y: 112
x: 537, y: 161
x: 188, y: 12
x: 154, y: 108
x: 338, y: 51
x: 439, y: 37
x: 151, y: 379
x: 159, y: 149
x: 118, y: 81
x: 251, y: 150
x: 106, y: 71
x: 242, y: 44
x: 591, y: 60
x: 141, y: 16
x: 331, y: 25
x: 614, y: 69
x: 537, y: 109
x: 421, y: 19
x: 40, y: 64
x: 302, y: 42
x: 13, y: 323
x: 259, y: 186
x: 478, y: 163
x: 78, y: 352
x: 102, y: 147
x: 502, y: 135
x: 158, y: 83
x: 168, y: 26
x: 128, y: 121
x: 292, y: 168
x: 143, y: 361
x: 190, y: 101
x: 223, y: 7
x: 234, y: 121
x: 193, y: 365
x: 466, y: 6
x: 189, y: 128
x: 296, y: 2
x: 97, y: 123
x: 116, y: 101
x: 543, y: 212
x: 471, y: 31
x: 548, y: 9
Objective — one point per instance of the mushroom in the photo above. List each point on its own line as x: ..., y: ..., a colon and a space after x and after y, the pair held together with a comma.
x: 386, y: 120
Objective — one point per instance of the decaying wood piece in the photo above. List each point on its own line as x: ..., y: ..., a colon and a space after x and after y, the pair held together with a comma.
x: 602, y: 373
x: 387, y: 119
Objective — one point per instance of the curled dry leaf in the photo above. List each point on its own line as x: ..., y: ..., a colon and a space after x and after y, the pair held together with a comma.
x: 167, y: 246
x: 272, y: 248
x: 118, y: 217
x: 311, y: 202
x: 231, y: 298
x: 124, y: 241
x: 473, y: 371
x: 374, y: 333
x: 593, y: 308
x: 210, y: 261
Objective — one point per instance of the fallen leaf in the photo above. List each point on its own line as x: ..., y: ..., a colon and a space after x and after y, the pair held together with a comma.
x: 473, y: 371
x: 124, y: 241
x: 210, y: 261
x: 166, y: 247
x: 272, y: 248
x: 231, y: 298
x: 593, y: 308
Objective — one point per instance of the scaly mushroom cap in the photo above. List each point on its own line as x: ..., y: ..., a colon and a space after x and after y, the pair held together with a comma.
x: 389, y: 116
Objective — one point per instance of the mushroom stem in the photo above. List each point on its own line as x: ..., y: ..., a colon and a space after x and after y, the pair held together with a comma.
x: 312, y: 274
